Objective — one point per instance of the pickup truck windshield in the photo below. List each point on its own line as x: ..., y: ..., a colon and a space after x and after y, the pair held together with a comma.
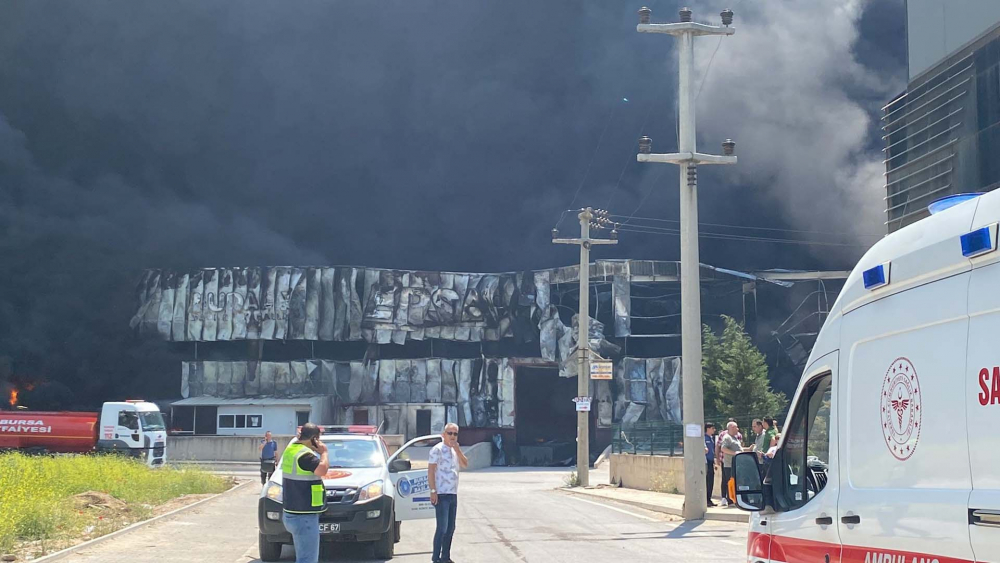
x: 152, y: 421
x: 354, y: 453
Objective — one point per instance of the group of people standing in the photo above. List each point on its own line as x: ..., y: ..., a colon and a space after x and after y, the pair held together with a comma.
x: 720, y: 449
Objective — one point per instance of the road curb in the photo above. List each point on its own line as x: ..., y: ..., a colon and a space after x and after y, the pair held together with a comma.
x: 727, y: 517
x: 73, y: 549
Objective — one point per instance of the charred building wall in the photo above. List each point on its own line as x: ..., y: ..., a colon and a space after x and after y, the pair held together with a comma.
x: 458, y: 343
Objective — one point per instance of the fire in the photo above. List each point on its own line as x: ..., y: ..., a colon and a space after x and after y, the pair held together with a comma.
x: 13, y: 398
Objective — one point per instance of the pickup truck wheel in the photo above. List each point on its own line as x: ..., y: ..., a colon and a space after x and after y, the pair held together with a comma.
x: 269, y: 550
x: 385, y: 547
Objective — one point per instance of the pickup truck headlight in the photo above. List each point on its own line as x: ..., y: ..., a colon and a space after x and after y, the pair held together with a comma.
x: 273, y: 491
x: 371, y: 491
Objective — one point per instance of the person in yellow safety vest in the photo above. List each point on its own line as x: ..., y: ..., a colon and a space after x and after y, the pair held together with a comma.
x: 303, y: 465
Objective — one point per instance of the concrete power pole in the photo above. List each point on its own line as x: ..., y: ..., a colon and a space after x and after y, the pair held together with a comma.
x: 688, y: 159
x: 583, y: 339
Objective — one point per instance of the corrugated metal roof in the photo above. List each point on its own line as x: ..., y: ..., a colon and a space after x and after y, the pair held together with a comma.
x: 258, y: 401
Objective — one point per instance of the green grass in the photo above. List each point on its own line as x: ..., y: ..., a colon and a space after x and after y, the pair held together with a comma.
x: 36, y: 491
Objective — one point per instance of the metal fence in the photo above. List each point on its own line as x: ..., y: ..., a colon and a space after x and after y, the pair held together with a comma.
x: 648, y: 438
x: 667, y: 438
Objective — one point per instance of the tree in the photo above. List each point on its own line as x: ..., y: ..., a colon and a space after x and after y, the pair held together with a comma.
x: 735, y: 375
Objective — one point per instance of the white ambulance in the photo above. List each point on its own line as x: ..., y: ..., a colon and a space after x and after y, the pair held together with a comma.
x: 891, y: 450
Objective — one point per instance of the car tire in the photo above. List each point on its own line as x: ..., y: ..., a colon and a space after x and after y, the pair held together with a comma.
x: 397, y: 535
x: 269, y: 550
x: 385, y: 547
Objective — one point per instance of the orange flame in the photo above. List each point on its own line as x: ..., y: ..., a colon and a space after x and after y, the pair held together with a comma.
x: 13, y: 398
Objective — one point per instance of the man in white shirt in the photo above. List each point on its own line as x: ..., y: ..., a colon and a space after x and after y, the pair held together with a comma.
x: 443, y: 465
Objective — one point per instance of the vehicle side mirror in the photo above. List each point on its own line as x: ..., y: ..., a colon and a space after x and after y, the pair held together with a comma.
x: 399, y: 465
x: 135, y: 436
x: 749, y: 484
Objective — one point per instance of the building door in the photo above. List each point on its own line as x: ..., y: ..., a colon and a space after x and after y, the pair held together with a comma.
x: 205, y: 420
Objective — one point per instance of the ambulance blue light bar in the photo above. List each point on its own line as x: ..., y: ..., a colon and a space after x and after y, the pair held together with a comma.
x: 979, y: 241
x: 876, y: 277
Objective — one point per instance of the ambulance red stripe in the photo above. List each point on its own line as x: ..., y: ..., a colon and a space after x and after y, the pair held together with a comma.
x: 787, y: 549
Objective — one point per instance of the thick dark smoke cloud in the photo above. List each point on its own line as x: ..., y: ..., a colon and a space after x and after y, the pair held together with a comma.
x: 444, y: 135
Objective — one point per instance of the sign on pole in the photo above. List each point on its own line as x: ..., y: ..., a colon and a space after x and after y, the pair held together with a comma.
x: 601, y: 369
x: 582, y: 404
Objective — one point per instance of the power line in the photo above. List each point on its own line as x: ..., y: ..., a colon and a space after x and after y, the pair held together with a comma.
x: 631, y: 155
x: 723, y: 236
x: 744, y: 227
x: 593, y: 156
x: 642, y: 202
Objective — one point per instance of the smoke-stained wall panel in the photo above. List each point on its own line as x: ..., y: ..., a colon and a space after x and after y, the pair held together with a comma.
x: 178, y: 323
x: 507, y: 406
x: 224, y: 302
x: 386, y: 380
x: 418, y: 381
x: 268, y: 287
x: 369, y: 392
x: 621, y: 298
x: 356, y: 313
x: 401, y: 387
x: 356, y: 388
x: 239, y: 303
x: 341, y: 300
x: 327, y: 304
x: 165, y: 316
x: 251, y: 383
x: 210, y: 379
x: 254, y: 304
x: 282, y: 294
x: 151, y: 315
x: 433, y: 387
x: 224, y: 378
x: 210, y: 311
x: 185, y: 380
x: 449, y: 381
x: 297, y: 305
x: 313, y: 290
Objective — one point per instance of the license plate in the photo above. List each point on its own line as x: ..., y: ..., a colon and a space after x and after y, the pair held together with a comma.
x: 329, y: 528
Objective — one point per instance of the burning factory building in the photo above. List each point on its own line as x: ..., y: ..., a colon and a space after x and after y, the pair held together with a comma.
x: 271, y: 348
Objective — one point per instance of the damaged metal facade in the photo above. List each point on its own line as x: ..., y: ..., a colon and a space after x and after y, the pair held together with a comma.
x: 361, y: 311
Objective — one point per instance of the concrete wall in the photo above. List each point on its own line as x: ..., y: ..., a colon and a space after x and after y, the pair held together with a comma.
x: 218, y: 448
x: 659, y: 473
x: 235, y: 448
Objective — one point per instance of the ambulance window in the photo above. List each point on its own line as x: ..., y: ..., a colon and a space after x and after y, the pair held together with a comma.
x: 806, y: 450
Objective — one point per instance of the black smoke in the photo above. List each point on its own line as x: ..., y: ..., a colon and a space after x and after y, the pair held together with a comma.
x: 444, y: 135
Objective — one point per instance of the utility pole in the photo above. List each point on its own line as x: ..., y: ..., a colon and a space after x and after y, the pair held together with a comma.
x: 687, y: 158
x: 583, y: 337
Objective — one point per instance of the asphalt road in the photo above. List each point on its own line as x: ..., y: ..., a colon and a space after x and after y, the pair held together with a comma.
x: 505, y: 515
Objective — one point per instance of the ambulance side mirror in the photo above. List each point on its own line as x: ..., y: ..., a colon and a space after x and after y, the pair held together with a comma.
x: 749, y: 484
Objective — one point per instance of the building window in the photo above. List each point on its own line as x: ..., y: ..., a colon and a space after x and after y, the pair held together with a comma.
x: 241, y: 421
x: 301, y: 417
